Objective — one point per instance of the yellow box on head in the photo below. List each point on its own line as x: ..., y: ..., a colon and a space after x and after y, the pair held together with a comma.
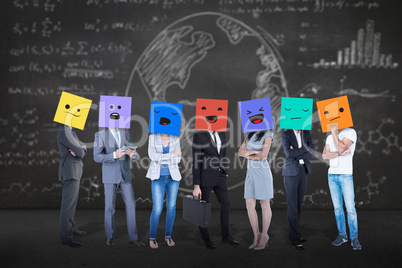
x: 72, y: 110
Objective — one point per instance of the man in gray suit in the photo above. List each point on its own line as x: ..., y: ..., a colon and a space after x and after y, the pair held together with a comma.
x: 112, y: 149
x: 72, y: 150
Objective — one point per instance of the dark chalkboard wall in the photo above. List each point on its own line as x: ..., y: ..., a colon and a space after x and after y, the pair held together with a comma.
x: 178, y: 50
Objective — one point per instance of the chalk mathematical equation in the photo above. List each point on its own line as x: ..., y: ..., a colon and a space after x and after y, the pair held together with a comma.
x: 84, y: 89
x: 30, y: 158
x: 75, y: 48
x: 46, y: 27
x: 45, y: 5
x: 36, y: 67
x: 27, y: 136
x: 258, y: 7
x: 97, y: 26
x: 86, y: 73
x: 164, y: 4
x: 80, y: 69
x: 27, y: 117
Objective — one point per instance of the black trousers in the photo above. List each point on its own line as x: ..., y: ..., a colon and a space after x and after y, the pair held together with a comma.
x: 222, y: 194
x: 295, y: 187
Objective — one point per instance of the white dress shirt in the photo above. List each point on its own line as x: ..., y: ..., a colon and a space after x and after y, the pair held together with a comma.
x: 299, y: 143
x: 217, y: 139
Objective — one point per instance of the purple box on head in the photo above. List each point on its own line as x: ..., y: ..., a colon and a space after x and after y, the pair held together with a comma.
x: 114, y: 111
x: 256, y: 115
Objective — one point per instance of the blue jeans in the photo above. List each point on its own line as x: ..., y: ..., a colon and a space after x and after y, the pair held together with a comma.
x: 159, y: 186
x: 342, y: 184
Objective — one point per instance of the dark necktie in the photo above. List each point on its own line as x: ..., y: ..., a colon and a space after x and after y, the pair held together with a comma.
x: 117, y: 137
x: 216, y: 144
x: 214, y: 137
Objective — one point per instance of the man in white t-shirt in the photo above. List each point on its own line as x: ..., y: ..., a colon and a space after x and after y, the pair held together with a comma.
x: 339, y: 149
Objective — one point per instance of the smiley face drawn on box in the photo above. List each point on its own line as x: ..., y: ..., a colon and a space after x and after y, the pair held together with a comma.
x: 256, y: 115
x: 334, y: 111
x: 165, y: 118
x: 211, y: 114
x: 296, y: 113
x: 72, y: 110
x: 114, y: 111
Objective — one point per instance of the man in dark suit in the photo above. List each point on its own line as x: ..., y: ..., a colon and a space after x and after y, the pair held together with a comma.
x: 72, y: 150
x: 210, y: 173
x: 298, y: 146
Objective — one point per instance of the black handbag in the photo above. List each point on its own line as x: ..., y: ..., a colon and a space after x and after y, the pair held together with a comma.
x: 197, y: 211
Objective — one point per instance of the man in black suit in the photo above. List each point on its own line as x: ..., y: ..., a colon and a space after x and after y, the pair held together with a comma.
x: 298, y: 146
x: 72, y: 151
x: 210, y: 173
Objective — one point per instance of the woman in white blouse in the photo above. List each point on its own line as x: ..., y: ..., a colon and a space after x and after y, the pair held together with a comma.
x: 164, y: 152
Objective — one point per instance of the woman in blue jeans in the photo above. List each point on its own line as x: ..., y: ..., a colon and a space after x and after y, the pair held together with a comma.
x: 164, y: 152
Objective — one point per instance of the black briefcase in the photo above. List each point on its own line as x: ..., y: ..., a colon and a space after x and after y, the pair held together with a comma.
x: 197, y: 211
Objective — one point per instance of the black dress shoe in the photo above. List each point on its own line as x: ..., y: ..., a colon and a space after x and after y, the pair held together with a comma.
x: 208, y: 244
x: 298, y: 247
x: 230, y: 240
x: 72, y: 244
x: 78, y: 232
x: 138, y: 243
x: 303, y: 240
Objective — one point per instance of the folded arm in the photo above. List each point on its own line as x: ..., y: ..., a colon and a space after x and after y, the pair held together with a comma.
x: 263, y: 154
x: 73, y: 144
x: 169, y: 158
x: 243, y: 152
x: 175, y: 158
x: 340, y: 145
x: 310, y: 149
x: 292, y: 153
x: 327, y: 154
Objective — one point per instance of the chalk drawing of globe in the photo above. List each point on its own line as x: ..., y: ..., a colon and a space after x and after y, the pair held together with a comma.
x: 210, y: 55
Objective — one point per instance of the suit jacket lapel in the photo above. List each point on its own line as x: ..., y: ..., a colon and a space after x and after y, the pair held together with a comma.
x: 76, y: 137
x: 122, y: 134
x: 304, y: 136
x: 293, y: 139
x: 223, y: 142
x: 111, y: 141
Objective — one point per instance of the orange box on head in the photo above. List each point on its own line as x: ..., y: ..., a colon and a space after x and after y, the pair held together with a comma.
x: 211, y: 115
x: 334, y: 111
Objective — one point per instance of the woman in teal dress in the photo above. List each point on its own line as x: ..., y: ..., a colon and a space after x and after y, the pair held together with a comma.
x: 258, y: 184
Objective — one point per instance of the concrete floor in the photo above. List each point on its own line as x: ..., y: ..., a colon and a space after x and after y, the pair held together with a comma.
x: 30, y: 238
